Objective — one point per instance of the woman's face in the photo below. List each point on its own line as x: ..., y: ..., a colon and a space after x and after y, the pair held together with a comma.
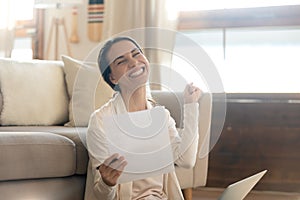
x: 129, y: 66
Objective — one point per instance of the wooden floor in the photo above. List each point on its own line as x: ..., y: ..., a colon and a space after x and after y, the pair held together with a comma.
x: 214, y: 193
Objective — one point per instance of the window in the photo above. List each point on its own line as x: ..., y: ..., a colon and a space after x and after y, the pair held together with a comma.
x: 254, y: 49
x: 17, y: 28
x: 255, y: 59
x: 25, y: 30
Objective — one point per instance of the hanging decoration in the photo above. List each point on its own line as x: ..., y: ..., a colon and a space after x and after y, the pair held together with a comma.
x: 95, y: 19
x: 74, y: 38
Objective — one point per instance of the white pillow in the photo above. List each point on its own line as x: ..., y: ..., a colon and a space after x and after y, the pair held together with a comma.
x: 86, y: 88
x: 33, y: 92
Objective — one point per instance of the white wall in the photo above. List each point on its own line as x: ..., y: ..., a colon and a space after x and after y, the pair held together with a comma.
x: 79, y: 50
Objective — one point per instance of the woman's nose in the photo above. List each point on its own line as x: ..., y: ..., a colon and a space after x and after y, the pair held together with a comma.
x: 132, y: 62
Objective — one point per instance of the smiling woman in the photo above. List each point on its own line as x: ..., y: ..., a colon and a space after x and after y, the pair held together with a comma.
x: 106, y: 58
x: 123, y: 64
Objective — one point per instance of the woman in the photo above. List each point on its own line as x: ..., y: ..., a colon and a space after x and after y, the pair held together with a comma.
x: 125, y: 68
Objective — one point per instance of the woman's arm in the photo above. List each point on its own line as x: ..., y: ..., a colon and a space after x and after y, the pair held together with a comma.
x: 185, y: 141
x: 98, y: 151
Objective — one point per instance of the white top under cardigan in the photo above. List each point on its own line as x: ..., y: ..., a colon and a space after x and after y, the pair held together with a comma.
x: 184, y: 145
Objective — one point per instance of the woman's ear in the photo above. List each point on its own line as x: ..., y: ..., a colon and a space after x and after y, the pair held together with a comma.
x: 112, y: 79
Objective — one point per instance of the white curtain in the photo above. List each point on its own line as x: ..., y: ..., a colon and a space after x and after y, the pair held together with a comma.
x: 126, y: 15
x: 7, y: 22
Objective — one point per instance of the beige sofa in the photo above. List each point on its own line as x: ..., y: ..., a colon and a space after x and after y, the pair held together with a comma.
x: 44, y: 112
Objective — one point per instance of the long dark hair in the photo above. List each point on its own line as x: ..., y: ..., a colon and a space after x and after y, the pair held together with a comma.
x: 103, y: 63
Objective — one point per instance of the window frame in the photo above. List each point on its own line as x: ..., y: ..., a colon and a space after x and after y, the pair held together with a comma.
x: 240, y: 17
x: 33, y: 29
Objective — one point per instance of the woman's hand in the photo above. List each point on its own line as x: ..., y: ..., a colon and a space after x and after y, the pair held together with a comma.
x: 112, y: 168
x: 192, y: 93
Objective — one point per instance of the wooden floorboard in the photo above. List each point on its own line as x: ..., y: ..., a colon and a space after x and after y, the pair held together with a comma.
x: 214, y: 193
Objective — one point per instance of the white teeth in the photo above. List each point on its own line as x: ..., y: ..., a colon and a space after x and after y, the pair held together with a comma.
x: 137, y: 73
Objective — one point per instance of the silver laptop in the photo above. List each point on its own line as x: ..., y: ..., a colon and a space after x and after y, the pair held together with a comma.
x: 239, y: 190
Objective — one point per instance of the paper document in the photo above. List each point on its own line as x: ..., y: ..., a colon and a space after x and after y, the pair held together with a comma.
x: 143, y: 139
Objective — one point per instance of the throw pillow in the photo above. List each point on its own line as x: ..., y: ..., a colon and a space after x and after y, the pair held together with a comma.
x: 33, y: 92
x: 86, y: 88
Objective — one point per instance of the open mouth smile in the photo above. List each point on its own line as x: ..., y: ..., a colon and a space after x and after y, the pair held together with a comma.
x: 137, y: 73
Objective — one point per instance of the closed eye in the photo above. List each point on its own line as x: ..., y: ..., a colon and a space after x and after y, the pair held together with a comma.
x: 121, y: 62
x: 136, y: 54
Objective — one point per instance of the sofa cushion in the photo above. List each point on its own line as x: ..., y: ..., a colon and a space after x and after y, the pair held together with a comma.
x: 27, y: 155
x: 33, y: 92
x: 76, y: 134
x: 86, y: 88
x: 66, y: 188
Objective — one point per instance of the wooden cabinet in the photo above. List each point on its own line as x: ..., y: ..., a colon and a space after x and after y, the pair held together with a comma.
x: 261, y: 131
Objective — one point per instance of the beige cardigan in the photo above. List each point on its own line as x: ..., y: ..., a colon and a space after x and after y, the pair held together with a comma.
x: 184, y: 145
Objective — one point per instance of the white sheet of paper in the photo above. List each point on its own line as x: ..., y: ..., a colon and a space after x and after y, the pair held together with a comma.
x: 143, y: 139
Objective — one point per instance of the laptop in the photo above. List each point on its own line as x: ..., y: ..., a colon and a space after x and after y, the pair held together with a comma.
x: 240, y: 189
